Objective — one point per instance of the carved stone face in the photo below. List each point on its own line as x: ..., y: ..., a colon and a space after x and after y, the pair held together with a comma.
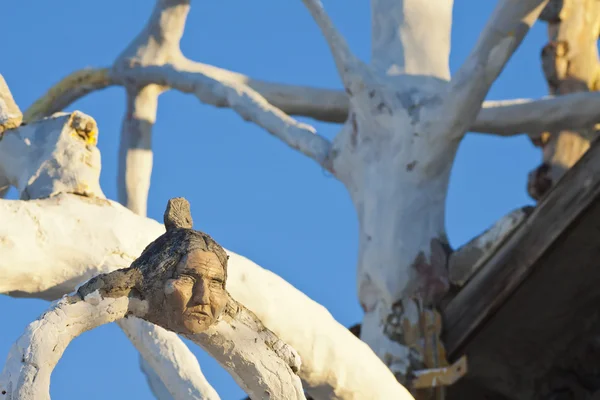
x: 195, y: 296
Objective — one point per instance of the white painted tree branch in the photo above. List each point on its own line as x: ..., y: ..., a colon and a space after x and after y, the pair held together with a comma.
x: 249, y: 104
x: 501, y: 36
x: 50, y: 268
x: 411, y: 37
x: 248, y: 350
x: 135, y: 151
x: 99, y: 236
x: 261, y: 363
x: 511, y: 117
x: 55, y: 155
x: 350, y: 68
x: 158, y: 388
x: 167, y: 362
x: 10, y: 113
x: 321, y: 104
x: 31, y: 360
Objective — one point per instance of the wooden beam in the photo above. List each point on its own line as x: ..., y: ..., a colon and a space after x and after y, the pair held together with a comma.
x: 519, y: 316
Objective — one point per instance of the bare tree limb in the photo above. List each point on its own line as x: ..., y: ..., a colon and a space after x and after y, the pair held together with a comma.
x: 513, y: 117
x: 10, y: 113
x: 158, y: 388
x: 321, y: 104
x: 501, y: 36
x: 411, y: 37
x: 167, y: 362
x: 246, y: 102
x: 26, y: 374
x: 70, y: 89
x: 135, y: 150
x: 350, y: 68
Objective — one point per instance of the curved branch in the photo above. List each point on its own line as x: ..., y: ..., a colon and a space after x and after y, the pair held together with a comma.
x: 70, y: 89
x: 501, y: 36
x: 350, y: 68
x: 157, y: 387
x: 327, y: 105
x: 31, y: 360
x: 167, y: 361
x: 249, y: 104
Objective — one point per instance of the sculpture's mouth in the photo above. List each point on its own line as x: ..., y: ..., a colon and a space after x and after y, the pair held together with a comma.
x: 199, y: 313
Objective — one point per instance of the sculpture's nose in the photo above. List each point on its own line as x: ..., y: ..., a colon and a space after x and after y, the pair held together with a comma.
x: 200, y: 295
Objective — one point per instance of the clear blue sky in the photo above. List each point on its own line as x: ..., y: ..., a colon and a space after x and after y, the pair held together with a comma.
x: 260, y: 199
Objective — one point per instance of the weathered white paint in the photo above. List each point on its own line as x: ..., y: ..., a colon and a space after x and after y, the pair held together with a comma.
x: 169, y: 363
x: 55, y: 155
x: 100, y: 236
x: 158, y: 388
x: 506, y: 28
x: 264, y: 366
x: 396, y: 150
x: 411, y: 37
x: 259, y: 361
x: 135, y: 150
x: 245, y: 101
x: 509, y: 117
x: 31, y: 360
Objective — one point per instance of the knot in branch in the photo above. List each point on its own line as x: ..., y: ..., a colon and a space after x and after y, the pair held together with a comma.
x: 178, y: 214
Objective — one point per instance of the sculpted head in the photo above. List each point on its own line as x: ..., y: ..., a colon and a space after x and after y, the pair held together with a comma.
x: 179, y: 278
x: 184, y: 273
x: 195, y: 296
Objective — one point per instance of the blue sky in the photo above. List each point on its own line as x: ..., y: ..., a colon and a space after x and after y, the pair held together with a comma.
x: 247, y: 189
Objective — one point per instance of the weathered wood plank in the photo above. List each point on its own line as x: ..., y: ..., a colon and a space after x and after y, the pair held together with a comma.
x: 518, y: 316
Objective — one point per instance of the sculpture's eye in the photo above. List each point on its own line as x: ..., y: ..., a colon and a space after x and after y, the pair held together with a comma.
x: 184, y: 278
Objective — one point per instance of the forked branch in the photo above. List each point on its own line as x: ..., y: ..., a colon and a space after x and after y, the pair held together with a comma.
x: 350, y: 68
x: 501, y: 36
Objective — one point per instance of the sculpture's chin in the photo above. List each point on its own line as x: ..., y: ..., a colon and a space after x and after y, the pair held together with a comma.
x: 197, y: 322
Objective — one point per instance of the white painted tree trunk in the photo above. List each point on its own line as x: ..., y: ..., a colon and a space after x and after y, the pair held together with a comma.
x: 395, y: 153
x: 397, y: 170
